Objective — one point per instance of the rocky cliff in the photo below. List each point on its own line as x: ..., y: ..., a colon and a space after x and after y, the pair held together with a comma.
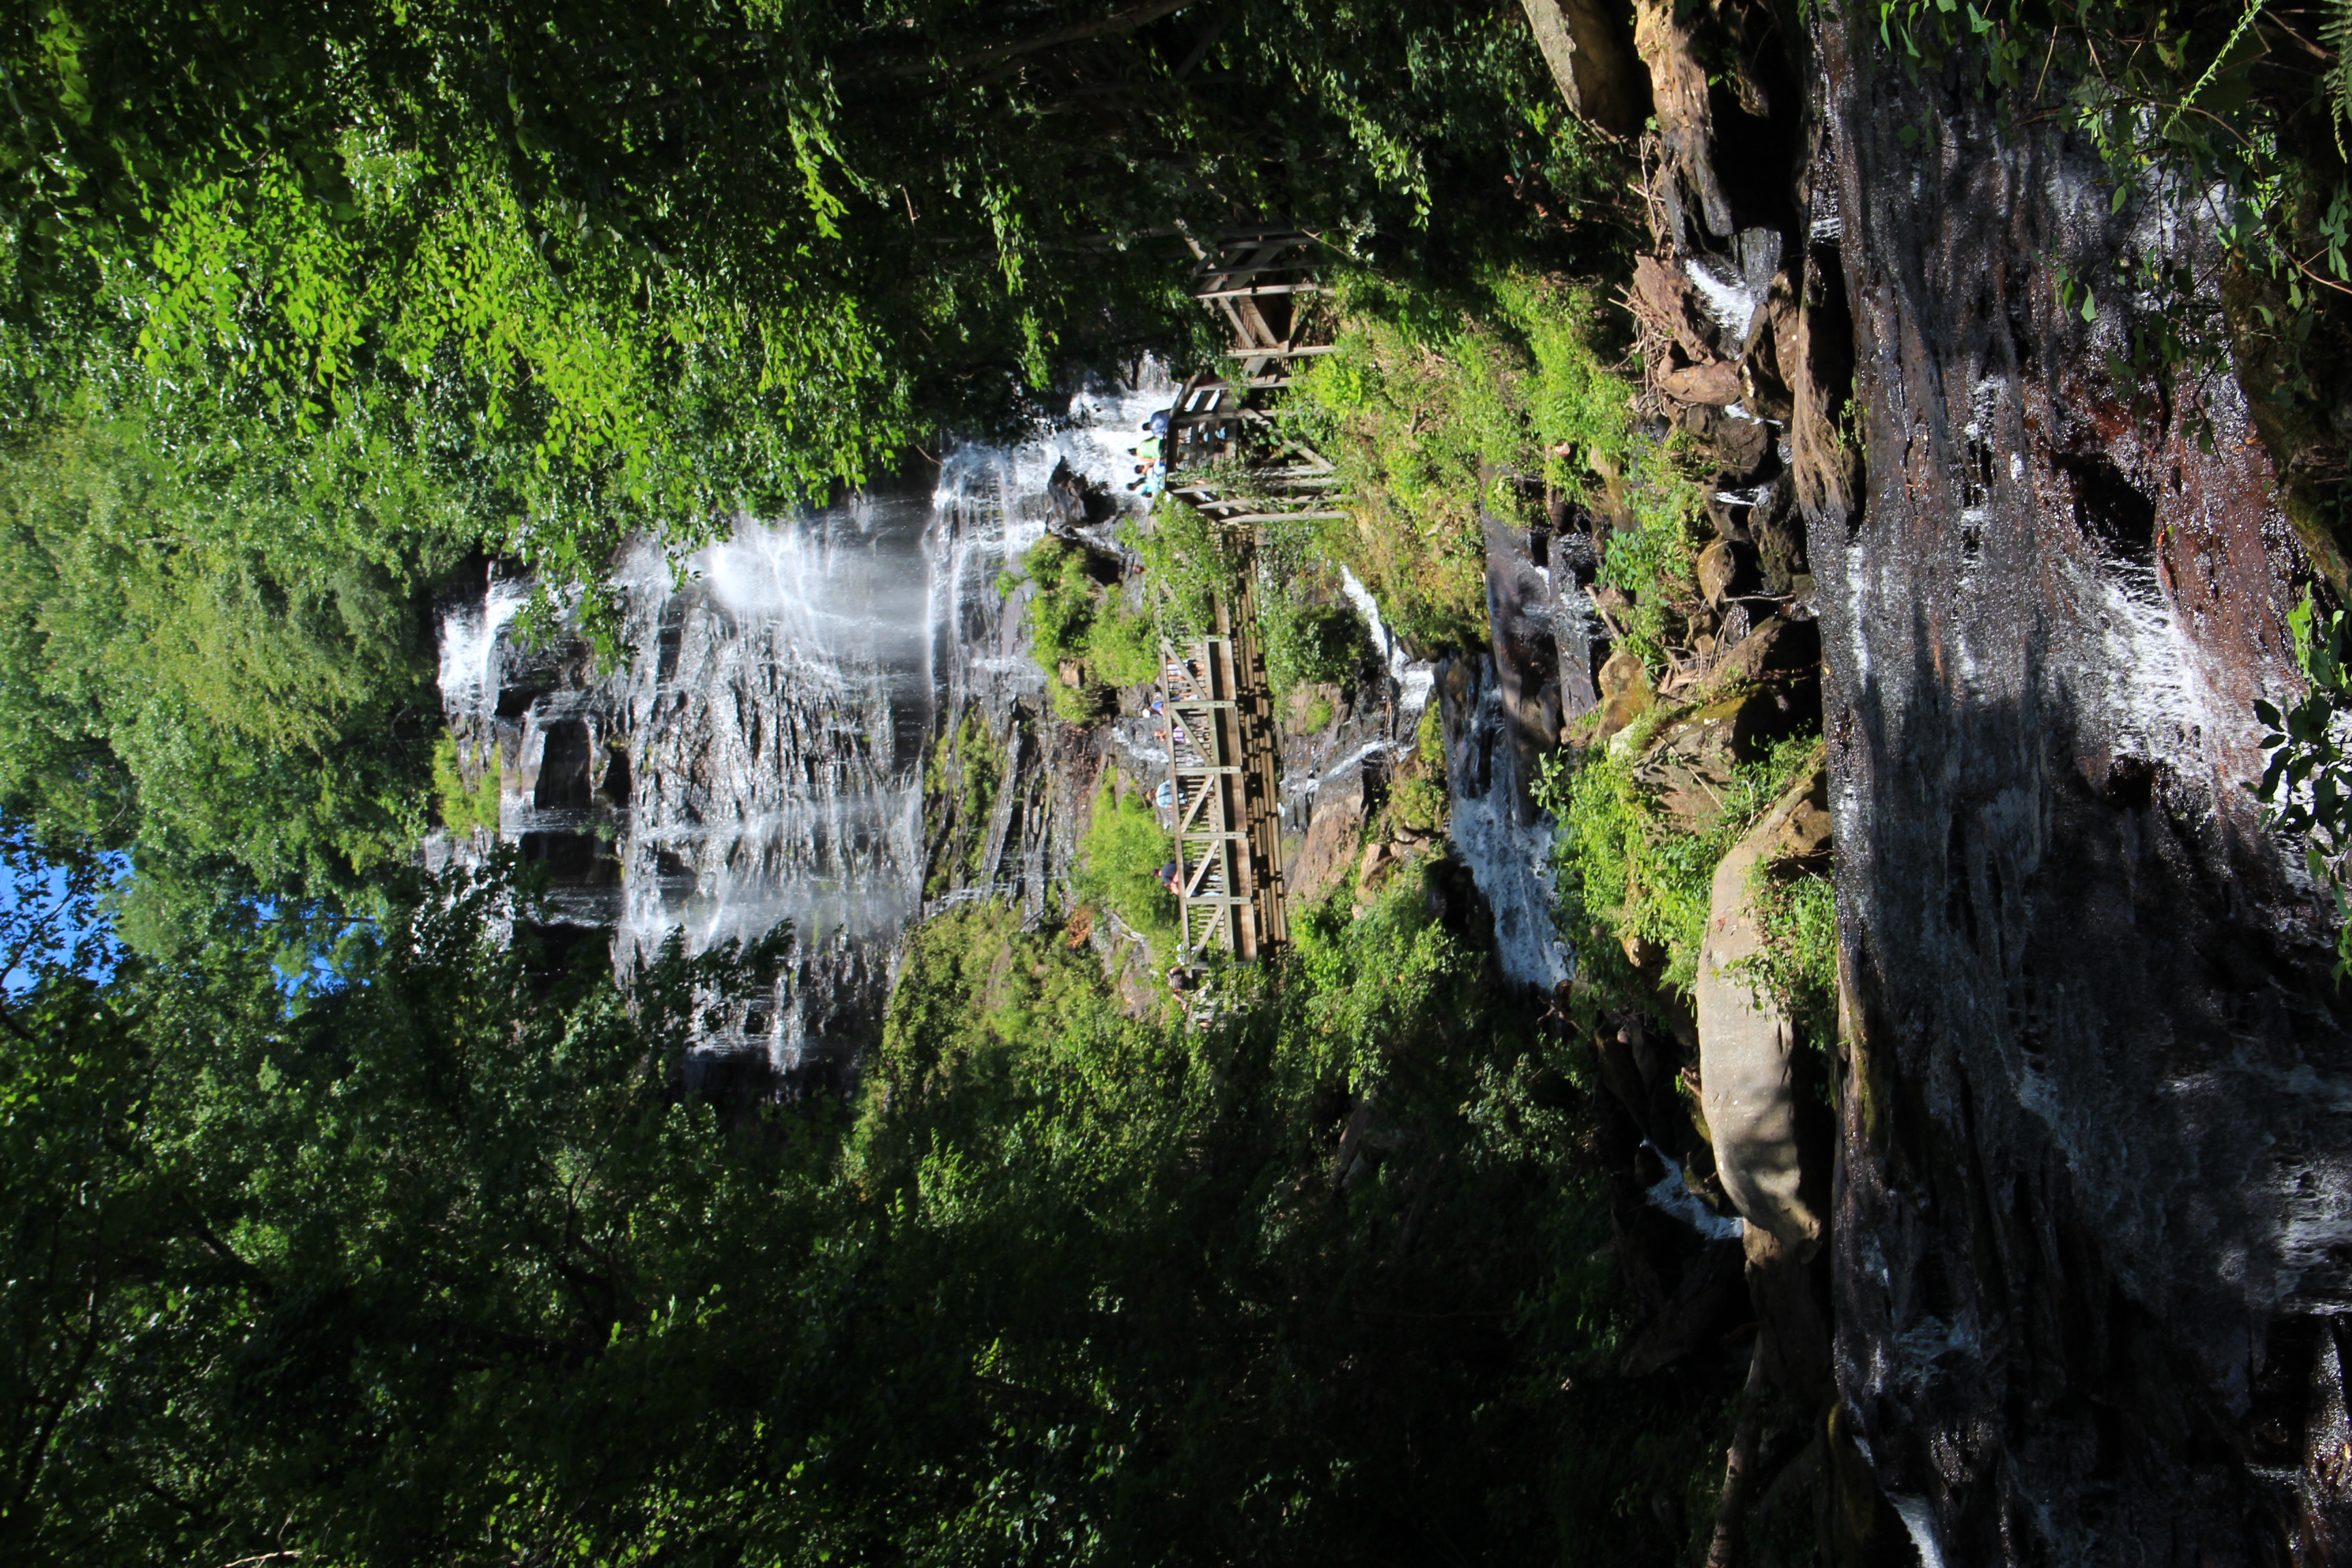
x: 2091, y: 1182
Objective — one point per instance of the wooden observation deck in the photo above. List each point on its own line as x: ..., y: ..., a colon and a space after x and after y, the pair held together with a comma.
x: 1224, y: 777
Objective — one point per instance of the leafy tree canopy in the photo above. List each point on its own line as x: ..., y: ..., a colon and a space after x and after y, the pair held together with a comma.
x: 427, y: 1255
x: 228, y: 670
x: 623, y: 265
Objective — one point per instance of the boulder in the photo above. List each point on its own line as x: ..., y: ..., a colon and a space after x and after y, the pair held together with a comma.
x: 1666, y: 295
x: 1690, y: 769
x: 1592, y: 61
x: 1625, y: 692
x: 1719, y: 569
x: 1768, y: 395
x: 1742, y: 446
x: 1712, y: 380
x: 1678, y: 92
x: 1331, y: 843
x: 1748, y: 1088
x: 1776, y: 647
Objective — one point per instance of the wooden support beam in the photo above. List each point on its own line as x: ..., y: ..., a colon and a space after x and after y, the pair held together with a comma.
x: 1304, y: 352
x: 1256, y: 290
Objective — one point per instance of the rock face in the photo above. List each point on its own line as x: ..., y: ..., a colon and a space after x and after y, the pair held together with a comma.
x: 2095, y: 1205
x: 1746, y: 1048
x: 1332, y: 836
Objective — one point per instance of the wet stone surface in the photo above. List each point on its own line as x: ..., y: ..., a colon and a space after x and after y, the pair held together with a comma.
x: 2094, y: 1208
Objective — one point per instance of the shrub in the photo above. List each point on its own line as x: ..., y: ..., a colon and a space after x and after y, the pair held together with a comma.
x: 1307, y: 644
x: 1630, y: 871
x: 1120, y: 861
x: 465, y: 808
x: 1433, y: 416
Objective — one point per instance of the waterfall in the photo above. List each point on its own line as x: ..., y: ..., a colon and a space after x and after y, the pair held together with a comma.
x: 757, y: 755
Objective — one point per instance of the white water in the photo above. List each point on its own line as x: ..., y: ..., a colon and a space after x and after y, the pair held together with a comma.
x: 758, y: 756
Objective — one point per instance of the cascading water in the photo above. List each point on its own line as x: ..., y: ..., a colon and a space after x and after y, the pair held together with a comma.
x: 758, y: 757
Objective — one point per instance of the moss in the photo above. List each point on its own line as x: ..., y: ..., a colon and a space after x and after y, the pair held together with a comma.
x: 959, y: 786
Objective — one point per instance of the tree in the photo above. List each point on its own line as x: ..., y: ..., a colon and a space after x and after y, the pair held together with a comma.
x: 633, y: 266
x: 404, y: 1243
x: 224, y: 670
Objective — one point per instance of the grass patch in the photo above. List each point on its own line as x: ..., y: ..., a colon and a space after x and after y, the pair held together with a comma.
x: 1433, y: 417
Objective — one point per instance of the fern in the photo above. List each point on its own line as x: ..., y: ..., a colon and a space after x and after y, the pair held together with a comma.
x: 2336, y: 32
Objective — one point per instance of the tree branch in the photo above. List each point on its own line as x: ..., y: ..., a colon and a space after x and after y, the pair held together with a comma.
x: 1125, y: 21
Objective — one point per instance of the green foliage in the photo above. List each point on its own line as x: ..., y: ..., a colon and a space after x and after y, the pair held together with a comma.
x: 1437, y: 415
x: 428, y: 1256
x: 1629, y: 872
x: 1073, y: 619
x: 2307, y: 781
x: 465, y: 808
x: 1190, y: 562
x: 1118, y: 861
x: 199, y: 664
x: 1419, y: 802
x: 636, y: 265
x: 1062, y: 611
x: 398, y: 1266
x: 1124, y: 647
x: 1304, y: 644
x: 1309, y: 633
x: 1797, y: 967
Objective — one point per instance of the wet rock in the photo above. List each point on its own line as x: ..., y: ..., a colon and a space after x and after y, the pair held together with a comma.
x: 1775, y: 647
x: 2095, y: 1175
x: 1522, y: 624
x: 1330, y: 845
x: 1591, y: 58
x: 1778, y: 530
x: 1072, y: 503
x: 1749, y: 1081
x: 1744, y: 447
